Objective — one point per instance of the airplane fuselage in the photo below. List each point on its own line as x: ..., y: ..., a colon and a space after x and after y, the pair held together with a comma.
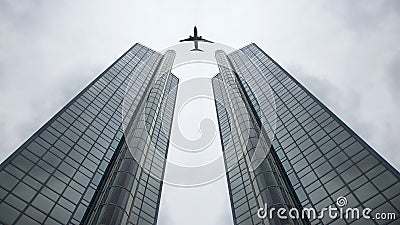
x: 195, y: 32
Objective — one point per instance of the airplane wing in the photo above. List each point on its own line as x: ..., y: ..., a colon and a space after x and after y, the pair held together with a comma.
x: 205, y: 40
x: 187, y: 39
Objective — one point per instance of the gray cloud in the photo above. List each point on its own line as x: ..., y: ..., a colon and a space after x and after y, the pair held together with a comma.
x: 393, y: 77
x: 345, y: 52
x: 362, y: 17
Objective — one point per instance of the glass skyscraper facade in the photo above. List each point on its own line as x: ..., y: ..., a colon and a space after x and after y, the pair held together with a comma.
x: 77, y: 168
x: 249, y: 189
x: 101, y: 159
x: 321, y: 159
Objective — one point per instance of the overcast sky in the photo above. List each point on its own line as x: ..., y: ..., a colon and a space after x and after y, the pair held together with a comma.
x: 345, y: 52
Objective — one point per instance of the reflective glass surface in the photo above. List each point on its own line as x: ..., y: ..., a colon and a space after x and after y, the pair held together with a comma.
x: 323, y: 158
x: 241, y: 135
x: 52, y: 177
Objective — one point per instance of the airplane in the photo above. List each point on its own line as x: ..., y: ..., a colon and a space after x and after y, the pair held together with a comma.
x: 196, y: 40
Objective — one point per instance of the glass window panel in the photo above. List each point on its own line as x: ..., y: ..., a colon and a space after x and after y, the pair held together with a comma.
x: 318, y: 195
x: 365, y: 192
x: 24, y: 220
x: 35, y: 214
x: 15, y: 202
x: 11, y: 213
x: 7, y: 181
x: 60, y: 214
x: 22, y: 163
x: 23, y: 191
x: 384, y: 180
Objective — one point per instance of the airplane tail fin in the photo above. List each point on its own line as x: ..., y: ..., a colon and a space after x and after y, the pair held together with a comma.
x: 196, y: 49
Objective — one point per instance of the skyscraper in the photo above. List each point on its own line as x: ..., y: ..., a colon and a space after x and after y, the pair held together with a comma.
x: 101, y: 159
x: 314, y: 158
x: 78, y: 167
